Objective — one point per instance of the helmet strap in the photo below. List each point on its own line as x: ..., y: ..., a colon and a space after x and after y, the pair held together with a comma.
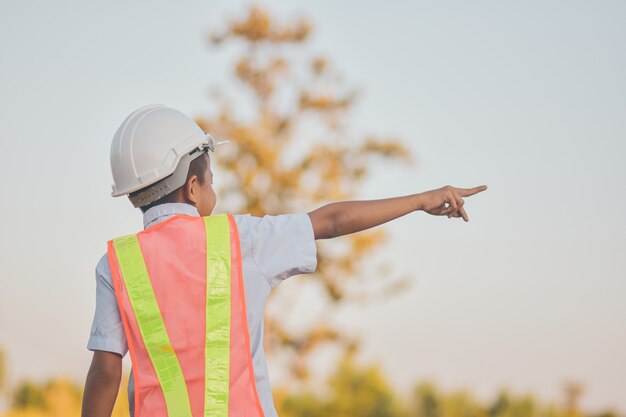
x: 167, y: 185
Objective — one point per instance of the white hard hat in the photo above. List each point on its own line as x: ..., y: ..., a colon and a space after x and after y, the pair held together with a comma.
x: 155, y: 143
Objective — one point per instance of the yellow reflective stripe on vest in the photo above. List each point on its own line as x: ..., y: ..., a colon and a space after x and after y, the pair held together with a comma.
x: 151, y: 326
x: 217, y: 347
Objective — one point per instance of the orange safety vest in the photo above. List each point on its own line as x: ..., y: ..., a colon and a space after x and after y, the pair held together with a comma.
x: 180, y: 292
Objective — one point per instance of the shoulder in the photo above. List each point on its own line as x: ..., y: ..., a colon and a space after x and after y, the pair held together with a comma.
x: 269, y: 229
x: 103, y: 263
x: 281, y: 246
x: 242, y: 220
x: 276, y: 222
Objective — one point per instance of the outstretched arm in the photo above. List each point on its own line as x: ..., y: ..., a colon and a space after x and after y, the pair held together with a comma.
x: 103, y: 382
x: 338, y: 219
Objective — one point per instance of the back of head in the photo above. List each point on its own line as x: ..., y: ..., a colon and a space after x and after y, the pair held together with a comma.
x: 151, y: 153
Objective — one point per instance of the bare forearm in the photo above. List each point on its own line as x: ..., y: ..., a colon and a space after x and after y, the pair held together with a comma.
x: 338, y: 219
x: 101, y: 388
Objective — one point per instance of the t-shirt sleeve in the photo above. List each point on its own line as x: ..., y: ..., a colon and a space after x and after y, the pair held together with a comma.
x: 283, y: 246
x: 107, y: 332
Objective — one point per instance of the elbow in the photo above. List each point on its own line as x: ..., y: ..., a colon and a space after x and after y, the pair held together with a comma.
x: 105, y: 375
x: 112, y: 374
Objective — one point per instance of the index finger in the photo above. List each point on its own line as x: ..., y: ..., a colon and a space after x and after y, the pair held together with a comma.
x: 465, y: 192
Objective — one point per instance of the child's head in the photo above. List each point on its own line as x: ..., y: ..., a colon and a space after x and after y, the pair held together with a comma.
x: 159, y: 155
x: 197, y: 189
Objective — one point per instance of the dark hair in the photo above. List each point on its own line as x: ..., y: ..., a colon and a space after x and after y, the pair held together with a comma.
x: 197, y: 167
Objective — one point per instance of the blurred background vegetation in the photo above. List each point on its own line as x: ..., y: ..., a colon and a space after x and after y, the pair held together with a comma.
x: 288, y: 115
x: 353, y: 390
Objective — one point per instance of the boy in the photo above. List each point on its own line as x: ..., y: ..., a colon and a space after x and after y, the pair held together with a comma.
x: 186, y: 295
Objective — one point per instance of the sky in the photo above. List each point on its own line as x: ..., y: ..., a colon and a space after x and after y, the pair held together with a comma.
x: 526, y: 97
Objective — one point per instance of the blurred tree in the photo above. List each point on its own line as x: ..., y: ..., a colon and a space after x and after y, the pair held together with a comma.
x: 462, y: 404
x: 501, y: 405
x: 425, y: 402
x: 362, y: 391
x: 57, y: 398
x: 522, y: 407
x: 572, y: 391
x: 291, y: 152
x: 305, y: 404
x: 355, y: 391
x: 29, y: 395
x: 62, y: 398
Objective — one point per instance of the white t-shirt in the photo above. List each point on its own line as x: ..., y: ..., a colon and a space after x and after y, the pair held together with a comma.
x: 273, y: 248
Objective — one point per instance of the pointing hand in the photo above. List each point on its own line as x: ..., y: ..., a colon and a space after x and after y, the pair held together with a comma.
x: 448, y: 201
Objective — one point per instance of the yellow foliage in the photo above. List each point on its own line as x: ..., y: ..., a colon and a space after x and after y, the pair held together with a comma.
x: 259, y: 26
x: 27, y: 412
x: 63, y: 398
x: 363, y: 391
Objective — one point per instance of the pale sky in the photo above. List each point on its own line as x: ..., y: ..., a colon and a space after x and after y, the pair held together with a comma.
x: 527, y: 97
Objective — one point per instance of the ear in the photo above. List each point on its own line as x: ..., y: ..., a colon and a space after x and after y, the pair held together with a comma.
x: 191, y: 190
